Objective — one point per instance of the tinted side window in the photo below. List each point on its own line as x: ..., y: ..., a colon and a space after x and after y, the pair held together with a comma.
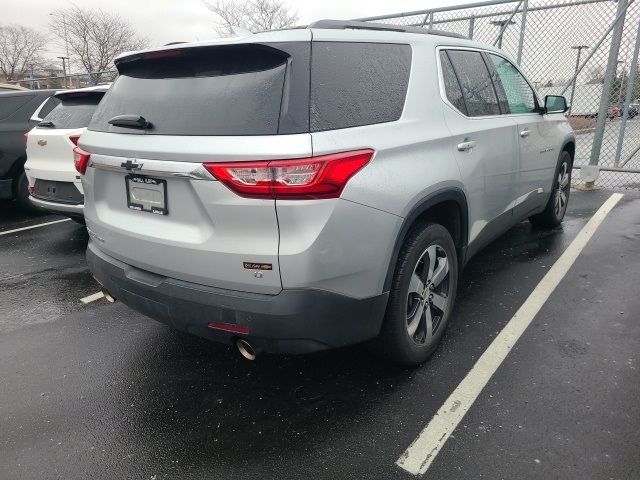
x: 520, y: 97
x: 355, y: 84
x: 475, y: 80
x: 451, y: 85
x: 10, y: 104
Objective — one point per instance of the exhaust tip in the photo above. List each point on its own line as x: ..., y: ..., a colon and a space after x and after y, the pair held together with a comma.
x: 107, y: 295
x: 246, y: 350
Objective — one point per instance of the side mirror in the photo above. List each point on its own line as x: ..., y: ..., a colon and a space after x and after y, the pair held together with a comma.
x: 555, y: 104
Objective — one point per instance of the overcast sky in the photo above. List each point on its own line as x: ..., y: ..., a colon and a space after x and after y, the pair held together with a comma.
x: 163, y: 21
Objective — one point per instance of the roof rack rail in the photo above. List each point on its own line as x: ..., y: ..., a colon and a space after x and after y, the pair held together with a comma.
x: 354, y: 25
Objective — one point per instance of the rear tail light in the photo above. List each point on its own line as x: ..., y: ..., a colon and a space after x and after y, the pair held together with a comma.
x: 25, y: 136
x: 74, y: 139
x: 294, y: 179
x: 81, y: 160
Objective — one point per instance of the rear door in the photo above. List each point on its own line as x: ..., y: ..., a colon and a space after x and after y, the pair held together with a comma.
x: 484, y: 143
x: 538, y: 153
x: 150, y: 202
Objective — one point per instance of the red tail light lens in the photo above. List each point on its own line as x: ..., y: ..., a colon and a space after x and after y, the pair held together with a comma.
x: 25, y: 136
x: 81, y: 160
x: 294, y: 179
x: 74, y: 139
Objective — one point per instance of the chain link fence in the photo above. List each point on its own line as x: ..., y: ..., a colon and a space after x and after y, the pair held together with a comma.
x: 76, y: 80
x: 584, y: 49
x: 565, y: 48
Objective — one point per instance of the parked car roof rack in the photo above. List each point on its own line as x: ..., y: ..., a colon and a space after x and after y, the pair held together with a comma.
x: 350, y: 24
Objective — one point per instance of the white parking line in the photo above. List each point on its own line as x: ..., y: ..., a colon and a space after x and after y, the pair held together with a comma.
x: 418, y: 457
x: 7, y: 232
x: 92, y: 298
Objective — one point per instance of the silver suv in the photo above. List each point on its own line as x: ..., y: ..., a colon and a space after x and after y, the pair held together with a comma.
x: 304, y: 189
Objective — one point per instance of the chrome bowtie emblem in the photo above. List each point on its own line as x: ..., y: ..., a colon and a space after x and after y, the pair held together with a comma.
x: 129, y: 165
x: 42, y: 143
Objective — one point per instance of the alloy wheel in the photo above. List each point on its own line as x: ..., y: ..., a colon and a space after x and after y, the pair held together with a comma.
x: 562, y: 190
x: 428, y: 296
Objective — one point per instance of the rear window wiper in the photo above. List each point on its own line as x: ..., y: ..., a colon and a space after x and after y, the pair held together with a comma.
x: 132, y: 121
x: 46, y: 124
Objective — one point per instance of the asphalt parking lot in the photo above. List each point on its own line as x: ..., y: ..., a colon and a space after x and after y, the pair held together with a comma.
x: 97, y: 391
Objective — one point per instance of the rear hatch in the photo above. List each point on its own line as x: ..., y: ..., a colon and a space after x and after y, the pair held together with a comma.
x: 49, y: 165
x: 151, y: 203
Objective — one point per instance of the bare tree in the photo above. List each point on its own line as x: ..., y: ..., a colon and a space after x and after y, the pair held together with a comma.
x: 94, y: 37
x: 20, y: 48
x: 253, y: 15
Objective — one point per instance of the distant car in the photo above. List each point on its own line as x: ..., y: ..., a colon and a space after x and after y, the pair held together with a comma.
x: 54, y: 183
x: 19, y: 112
x: 616, y: 111
x: 10, y: 87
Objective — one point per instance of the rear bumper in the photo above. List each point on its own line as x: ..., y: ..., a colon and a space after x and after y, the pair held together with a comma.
x: 64, y: 208
x: 291, y: 322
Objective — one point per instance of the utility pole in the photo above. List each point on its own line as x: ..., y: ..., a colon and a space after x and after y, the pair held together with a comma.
x: 579, y: 48
x: 64, y: 70
x: 503, y: 24
x: 66, y: 37
x: 31, y: 76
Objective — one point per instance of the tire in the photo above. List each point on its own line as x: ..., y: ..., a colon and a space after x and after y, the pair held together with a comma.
x: 407, y: 336
x: 556, y: 207
x: 21, y: 193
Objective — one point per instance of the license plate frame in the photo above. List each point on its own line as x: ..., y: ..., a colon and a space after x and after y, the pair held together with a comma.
x: 152, y: 184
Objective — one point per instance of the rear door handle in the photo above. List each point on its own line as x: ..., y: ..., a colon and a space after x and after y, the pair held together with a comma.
x: 466, y: 145
x: 525, y: 133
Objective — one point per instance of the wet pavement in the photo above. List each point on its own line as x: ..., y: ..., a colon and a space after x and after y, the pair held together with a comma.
x: 99, y: 391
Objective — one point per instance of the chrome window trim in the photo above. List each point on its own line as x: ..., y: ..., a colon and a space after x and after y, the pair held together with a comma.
x: 443, y: 93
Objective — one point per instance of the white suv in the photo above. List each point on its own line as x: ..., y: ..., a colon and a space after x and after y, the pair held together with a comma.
x: 304, y: 189
x: 54, y: 183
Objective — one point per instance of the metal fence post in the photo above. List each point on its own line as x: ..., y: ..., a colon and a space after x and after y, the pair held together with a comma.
x: 472, y: 24
x: 612, y: 65
x: 523, y: 25
x: 504, y: 24
x: 631, y: 81
x: 431, y: 21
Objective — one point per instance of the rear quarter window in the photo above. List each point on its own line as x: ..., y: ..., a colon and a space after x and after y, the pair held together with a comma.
x: 355, y: 84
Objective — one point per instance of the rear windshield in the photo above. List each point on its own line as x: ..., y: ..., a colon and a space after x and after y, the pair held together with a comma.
x: 224, y: 90
x: 74, y: 111
x: 258, y: 89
